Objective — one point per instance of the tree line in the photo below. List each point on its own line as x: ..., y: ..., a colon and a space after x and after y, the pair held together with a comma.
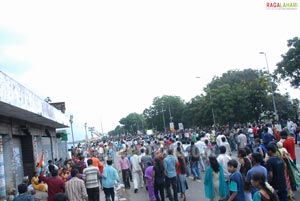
x: 237, y: 96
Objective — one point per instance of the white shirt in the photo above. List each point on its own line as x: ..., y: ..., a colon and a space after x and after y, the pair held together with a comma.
x: 134, y: 160
x: 223, y: 159
x: 219, y: 139
x: 207, y: 135
x: 101, y: 150
x: 242, y: 139
x: 201, y: 146
x: 270, y: 130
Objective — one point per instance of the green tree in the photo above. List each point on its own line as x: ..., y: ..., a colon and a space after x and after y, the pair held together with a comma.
x: 133, y: 122
x: 287, y: 108
x: 289, y: 68
x: 236, y: 96
x: 117, y: 131
x: 164, y: 110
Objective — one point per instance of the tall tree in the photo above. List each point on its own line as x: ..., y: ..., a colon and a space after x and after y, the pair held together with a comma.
x: 236, y: 96
x: 289, y: 68
x: 133, y: 122
x: 164, y: 110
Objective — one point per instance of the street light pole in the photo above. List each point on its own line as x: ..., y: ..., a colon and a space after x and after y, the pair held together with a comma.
x: 71, y: 123
x: 163, y: 112
x: 171, y: 118
x: 86, y: 135
x: 271, y: 86
x: 212, y: 107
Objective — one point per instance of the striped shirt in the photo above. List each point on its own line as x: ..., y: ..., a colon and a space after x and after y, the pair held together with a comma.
x: 91, y: 177
x: 75, y: 189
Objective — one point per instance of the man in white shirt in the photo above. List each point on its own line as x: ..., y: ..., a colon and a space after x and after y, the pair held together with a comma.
x: 251, y: 135
x: 101, y: 153
x: 201, y: 146
x: 223, y: 160
x: 226, y: 145
x: 219, y: 143
x: 219, y: 139
x: 242, y: 140
x: 136, y: 170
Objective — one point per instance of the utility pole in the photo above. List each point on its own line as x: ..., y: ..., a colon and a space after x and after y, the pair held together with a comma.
x: 71, y: 123
x: 86, y: 135
x: 102, y: 127
x: 171, y: 118
x: 91, y: 129
x: 212, y: 107
x: 271, y: 86
x: 163, y: 113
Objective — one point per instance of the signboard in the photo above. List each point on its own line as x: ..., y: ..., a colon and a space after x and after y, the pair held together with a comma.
x: 64, y: 137
x: 180, y: 125
x: 149, y: 132
x: 172, y: 126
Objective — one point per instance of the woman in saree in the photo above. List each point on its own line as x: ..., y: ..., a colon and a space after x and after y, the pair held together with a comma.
x: 36, y: 183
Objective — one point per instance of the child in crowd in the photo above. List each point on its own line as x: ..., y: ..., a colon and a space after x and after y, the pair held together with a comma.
x: 236, y: 182
x: 265, y: 191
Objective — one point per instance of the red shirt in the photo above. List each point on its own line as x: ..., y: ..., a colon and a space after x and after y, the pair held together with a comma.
x: 178, y: 171
x: 55, y: 185
x: 255, y: 131
x: 289, y: 144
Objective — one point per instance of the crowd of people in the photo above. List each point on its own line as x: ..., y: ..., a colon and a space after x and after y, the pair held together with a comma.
x: 264, y: 167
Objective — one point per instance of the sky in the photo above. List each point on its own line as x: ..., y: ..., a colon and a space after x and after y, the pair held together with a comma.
x: 107, y: 59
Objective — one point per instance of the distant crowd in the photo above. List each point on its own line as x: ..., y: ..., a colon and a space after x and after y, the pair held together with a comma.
x: 264, y: 167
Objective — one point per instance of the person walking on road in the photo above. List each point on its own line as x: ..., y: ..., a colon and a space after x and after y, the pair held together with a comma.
x: 214, y: 181
x: 149, y: 181
x: 125, y: 168
x: 180, y: 171
x: 109, y: 176
x: 158, y: 179
x: 55, y: 184
x: 75, y: 188
x: 195, y: 161
x: 170, y: 172
x: 91, y: 176
x: 136, y: 172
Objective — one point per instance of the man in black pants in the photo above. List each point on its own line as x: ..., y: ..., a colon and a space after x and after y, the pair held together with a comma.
x: 109, y: 176
x: 91, y: 176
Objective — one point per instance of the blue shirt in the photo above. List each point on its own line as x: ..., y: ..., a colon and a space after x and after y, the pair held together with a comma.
x: 112, y: 153
x: 24, y: 197
x: 109, y: 176
x: 170, y: 166
x: 267, y: 138
x: 236, y: 185
x: 256, y: 168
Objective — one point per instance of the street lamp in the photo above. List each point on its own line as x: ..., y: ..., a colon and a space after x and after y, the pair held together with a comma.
x: 91, y: 129
x: 212, y: 107
x: 86, y: 135
x: 71, y: 123
x: 163, y: 113
x: 271, y: 86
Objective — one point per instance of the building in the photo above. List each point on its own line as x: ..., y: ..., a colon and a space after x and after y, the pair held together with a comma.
x: 27, y: 126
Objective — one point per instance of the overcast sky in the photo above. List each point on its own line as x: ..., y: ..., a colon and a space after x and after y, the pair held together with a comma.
x: 106, y: 59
